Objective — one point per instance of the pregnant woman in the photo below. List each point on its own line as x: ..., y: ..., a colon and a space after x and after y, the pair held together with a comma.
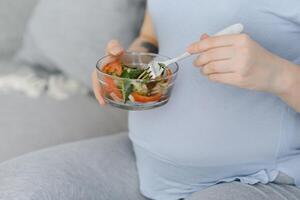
x: 233, y: 130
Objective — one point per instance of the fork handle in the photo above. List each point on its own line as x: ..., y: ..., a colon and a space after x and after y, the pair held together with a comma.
x: 174, y: 60
x: 233, y: 29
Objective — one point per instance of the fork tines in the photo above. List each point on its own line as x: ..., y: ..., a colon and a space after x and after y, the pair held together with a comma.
x: 146, y: 74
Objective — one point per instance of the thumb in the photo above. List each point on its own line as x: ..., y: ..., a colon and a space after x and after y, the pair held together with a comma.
x: 114, y: 48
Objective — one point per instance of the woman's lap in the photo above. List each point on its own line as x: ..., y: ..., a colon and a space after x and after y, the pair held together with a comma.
x: 104, y: 169
x: 101, y: 168
x: 240, y: 191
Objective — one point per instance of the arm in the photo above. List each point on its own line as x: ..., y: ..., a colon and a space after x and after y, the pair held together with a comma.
x: 146, y: 41
x: 289, y: 84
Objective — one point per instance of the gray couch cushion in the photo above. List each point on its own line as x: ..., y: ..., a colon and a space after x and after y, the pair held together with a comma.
x: 72, y: 34
x: 28, y: 124
x: 13, y: 18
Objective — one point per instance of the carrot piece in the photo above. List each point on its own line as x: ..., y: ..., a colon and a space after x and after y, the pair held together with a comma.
x: 144, y: 99
x: 117, y: 67
x: 106, y: 68
x: 112, y: 88
x: 114, y: 67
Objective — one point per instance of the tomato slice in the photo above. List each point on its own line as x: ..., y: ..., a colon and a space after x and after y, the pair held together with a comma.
x: 112, y: 88
x: 144, y: 99
x: 113, y: 67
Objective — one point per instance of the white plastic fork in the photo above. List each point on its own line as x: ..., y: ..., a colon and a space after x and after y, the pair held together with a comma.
x: 156, y: 68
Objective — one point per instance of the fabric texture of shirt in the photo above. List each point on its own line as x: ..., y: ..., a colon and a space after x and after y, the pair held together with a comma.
x: 210, y: 132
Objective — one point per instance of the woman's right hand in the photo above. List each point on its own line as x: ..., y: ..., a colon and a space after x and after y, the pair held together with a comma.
x: 114, y: 50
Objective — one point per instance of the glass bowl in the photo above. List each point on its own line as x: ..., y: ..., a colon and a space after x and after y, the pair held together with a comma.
x: 136, y: 94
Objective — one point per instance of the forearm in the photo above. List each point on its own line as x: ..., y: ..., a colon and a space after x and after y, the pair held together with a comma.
x: 144, y: 44
x: 289, y: 84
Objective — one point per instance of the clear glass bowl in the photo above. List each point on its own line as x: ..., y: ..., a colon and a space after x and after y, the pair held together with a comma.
x: 127, y: 93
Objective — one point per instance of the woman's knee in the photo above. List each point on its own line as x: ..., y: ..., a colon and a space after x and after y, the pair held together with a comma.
x: 81, y: 170
x: 228, y: 191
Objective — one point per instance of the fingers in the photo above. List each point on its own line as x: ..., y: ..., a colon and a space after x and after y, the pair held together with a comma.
x: 108, y: 59
x: 114, y: 48
x: 211, y: 42
x: 97, y: 89
x: 208, y: 56
x: 227, y: 78
x: 222, y: 66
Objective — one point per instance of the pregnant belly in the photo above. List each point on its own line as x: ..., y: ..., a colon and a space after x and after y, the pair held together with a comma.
x: 166, y: 171
x: 235, y: 141
x: 213, y: 150
x: 218, y: 127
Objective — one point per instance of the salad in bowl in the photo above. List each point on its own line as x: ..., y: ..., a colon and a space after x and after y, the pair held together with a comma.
x: 126, y: 82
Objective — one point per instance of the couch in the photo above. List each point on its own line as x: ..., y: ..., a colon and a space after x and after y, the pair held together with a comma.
x: 33, y: 120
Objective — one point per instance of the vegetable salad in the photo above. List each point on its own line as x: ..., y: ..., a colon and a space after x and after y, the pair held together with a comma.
x: 132, y: 84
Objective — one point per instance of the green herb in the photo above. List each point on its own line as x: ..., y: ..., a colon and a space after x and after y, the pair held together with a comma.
x: 134, y: 73
x: 162, y: 66
x: 131, y: 73
x: 125, y: 74
x: 127, y: 88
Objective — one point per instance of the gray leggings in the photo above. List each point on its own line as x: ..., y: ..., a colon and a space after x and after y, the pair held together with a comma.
x: 104, y: 169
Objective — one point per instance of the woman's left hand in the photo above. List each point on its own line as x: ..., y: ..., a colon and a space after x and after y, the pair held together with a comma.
x: 237, y: 60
